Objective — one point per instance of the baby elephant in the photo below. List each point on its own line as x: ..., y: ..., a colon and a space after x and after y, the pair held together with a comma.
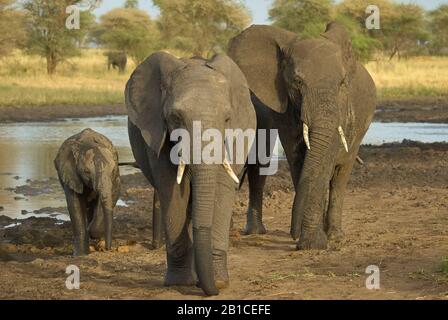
x: 87, y: 166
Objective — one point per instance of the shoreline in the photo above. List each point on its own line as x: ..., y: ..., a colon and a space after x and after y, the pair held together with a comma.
x: 431, y: 110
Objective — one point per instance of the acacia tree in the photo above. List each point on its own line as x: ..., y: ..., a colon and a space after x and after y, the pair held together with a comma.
x: 406, y: 31
x: 201, y: 27
x: 12, y: 26
x: 131, y: 4
x: 48, y: 35
x: 128, y: 30
x: 439, y: 29
x: 402, y: 27
x: 307, y: 18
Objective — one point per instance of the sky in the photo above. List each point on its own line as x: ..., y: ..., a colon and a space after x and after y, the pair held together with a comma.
x: 258, y: 8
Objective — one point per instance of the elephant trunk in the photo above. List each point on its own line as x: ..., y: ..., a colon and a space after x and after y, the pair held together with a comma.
x: 203, y: 203
x: 311, y: 191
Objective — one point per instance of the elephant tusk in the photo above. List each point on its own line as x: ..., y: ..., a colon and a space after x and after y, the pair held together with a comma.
x: 360, y: 161
x: 229, y: 171
x: 306, y: 135
x: 180, y: 171
x: 344, y: 141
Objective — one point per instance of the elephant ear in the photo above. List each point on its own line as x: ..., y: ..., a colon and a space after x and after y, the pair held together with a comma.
x: 337, y: 34
x: 144, y: 97
x: 65, y: 164
x: 242, y: 110
x: 258, y: 52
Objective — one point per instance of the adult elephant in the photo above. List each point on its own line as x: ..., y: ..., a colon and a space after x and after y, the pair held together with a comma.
x: 164, y: 94
x: 116, y: 59
x: 322, y: 101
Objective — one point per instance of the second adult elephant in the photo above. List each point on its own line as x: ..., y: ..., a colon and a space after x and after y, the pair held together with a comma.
x: 203, y: 98
x: 322, y: 102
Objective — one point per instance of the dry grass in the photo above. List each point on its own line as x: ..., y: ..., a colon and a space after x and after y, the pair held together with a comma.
x: 85, y: 80
x: 81, y: 80
x: 412, y: 78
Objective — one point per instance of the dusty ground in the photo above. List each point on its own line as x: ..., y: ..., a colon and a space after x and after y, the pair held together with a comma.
x: 414, y: 110
x: 49, y: 113
x: 395, y: 217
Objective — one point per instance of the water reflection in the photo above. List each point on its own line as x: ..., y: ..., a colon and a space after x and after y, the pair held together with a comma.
x: 27, y: 151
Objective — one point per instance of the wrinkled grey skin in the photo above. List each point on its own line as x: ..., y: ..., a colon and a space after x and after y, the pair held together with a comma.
x: 320, y: 83
x: 116, y: 60
x: 87, y: 166
x: 165, y: 93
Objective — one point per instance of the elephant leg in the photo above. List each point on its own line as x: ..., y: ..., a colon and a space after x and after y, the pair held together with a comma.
x: 221, y: 228
x: 254, y: 215
x: 179, y: 246
x: 157, y: 224
x: 290, y: 138
x: 95, y: 219
x: 338, y: 185
x: 77, y: 209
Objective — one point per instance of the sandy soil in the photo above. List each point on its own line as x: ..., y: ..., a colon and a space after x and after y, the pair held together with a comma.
x: 395, y: 217
x: 414, y: 110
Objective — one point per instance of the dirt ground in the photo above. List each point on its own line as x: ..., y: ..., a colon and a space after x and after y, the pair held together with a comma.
x: 413, y: 110
x: 395, y: 217
x: 50, y: 113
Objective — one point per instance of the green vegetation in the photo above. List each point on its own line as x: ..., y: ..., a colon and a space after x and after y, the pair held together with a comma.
x: 129, y: 30
x: 201, y: 27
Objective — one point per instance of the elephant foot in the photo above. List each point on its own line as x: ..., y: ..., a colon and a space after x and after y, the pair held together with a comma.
x: 256, y: 228
x: 220, y: 269
x: 181, y: 270
x: 180, y: 278
x: 156, y: 244
x: 81, y: 250
x: 254, y: 225
x: 317, y: 239
x: 335, y: 235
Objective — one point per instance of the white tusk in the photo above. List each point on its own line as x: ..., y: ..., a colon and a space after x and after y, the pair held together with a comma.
x: 360, y: 161
x: 306, y: 136
x: 180, y: 171
x: 229, y: 171
x: 344, y: 142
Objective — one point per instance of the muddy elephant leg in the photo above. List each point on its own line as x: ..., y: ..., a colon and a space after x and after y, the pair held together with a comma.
x: 77, y: 209
x: 221, y: 228
x: 95, y: 219
x: 338, y: 185
x: 157, y: 224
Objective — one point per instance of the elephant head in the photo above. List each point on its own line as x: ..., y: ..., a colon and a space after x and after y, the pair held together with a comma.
x: 312, y: 76
x: 87, y: 163
x: 166, y: 93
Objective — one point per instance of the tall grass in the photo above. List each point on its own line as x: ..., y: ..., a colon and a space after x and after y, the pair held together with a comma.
x: 417, y: 77
x: 85, y: 80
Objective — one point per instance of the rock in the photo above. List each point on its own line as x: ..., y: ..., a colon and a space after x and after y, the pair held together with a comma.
x: 38, y: 261
x: 2, y: 208
x: 24, y: 212
x: 18, y: 198
x: 8, y: 247
x: 123, y: 249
